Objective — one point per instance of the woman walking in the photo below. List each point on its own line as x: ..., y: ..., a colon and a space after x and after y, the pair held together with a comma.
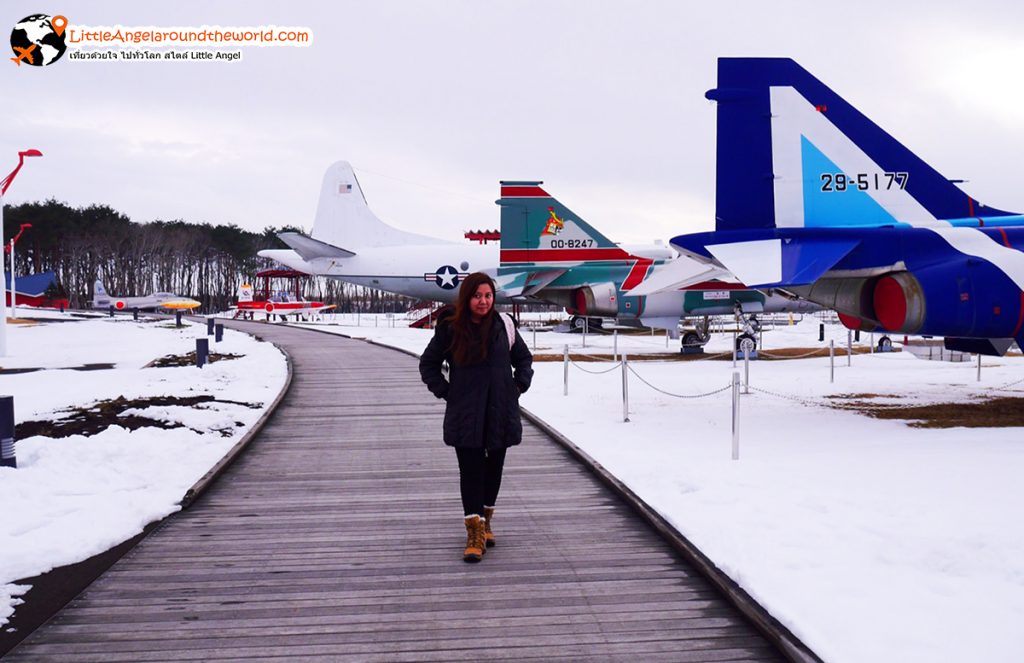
x: 489, y: 366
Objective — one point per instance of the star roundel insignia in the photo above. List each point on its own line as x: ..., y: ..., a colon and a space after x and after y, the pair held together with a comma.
x: 446, y: 277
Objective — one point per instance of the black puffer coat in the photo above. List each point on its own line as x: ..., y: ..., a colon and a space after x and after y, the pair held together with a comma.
x: 483, y: 399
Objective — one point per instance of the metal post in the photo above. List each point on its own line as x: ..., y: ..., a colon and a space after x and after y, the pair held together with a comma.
x: 849, y: 346
x: 735, y: 415
x: 14, y: 292
x: 746, y: 371
x: 209, y: 326
x: 218, y: 332
x: 3, y: 300
x: 979, y: 367
x: 586, y: 328
x: 202, y: 351
x: 625, y: 388
x: 734, y: 348
x: 872, y: 342
x: 565, y: 371
x: 535, y: 338
x: 615, y: 345
x: 831, y: 360
x: 7, y: 456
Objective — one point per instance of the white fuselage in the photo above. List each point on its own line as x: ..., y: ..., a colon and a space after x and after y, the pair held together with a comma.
x: 430, y: 271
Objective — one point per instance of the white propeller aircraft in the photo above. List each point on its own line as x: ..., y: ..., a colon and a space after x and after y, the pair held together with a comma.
x: 349, y: 243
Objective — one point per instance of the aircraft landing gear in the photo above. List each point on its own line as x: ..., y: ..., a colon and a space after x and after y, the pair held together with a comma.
x: 885, y: 344
x: 577, y: 322
x: 693, y: 342
x: 746, y: 343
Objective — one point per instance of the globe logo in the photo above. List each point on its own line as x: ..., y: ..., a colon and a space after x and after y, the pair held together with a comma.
x: 38, y: 40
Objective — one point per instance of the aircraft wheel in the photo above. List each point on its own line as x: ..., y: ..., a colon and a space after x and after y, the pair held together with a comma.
x: 576, y: 323
x: 745, y: 342
x: 885, y: 344
x: 692, y: 340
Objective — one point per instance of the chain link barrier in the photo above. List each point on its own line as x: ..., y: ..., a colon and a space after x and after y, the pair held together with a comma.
x: 607, y: 370
x: 803, y: 356
x: 668, y: 393
x: 787, y: 397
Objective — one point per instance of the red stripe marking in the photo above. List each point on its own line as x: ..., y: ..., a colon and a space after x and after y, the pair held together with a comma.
x: 524, y: 192
x: 562, y: 255
x: 1020, y: 317
x: 1006, y: 240
x: 715, y: 285
x: 637, y: 273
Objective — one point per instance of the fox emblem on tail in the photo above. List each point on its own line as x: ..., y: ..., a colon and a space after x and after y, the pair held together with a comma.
x: 554, y: 224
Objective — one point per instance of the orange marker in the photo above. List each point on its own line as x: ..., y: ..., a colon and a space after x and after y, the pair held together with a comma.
x: 59, y: 23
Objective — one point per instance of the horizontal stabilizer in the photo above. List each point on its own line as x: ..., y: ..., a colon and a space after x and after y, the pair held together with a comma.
x: 677, y: 274
x: 996, y: 347
x: 781, y: 262
x: 310, y: 249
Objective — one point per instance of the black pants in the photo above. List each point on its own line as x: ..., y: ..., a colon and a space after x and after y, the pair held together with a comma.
x: 479, y: 478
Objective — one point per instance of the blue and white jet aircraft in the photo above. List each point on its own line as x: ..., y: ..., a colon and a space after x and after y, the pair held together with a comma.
x: 816, y: 200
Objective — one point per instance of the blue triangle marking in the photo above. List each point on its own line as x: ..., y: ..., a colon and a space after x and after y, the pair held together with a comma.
x: 852, y: 208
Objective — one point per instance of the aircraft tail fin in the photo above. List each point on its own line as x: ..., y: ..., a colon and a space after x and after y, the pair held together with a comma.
x: 537, y: 230
x: 343, y: 219
x: 793, y: 153
x: 100, y: 298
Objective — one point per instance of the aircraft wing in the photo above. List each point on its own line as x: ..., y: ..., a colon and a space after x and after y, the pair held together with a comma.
x: 526, y: 283
x: 540, y: 280
x: 676, y: 274
x: 310, y: 249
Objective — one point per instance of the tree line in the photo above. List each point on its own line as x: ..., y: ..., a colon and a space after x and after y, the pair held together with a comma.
x: 202, y: 261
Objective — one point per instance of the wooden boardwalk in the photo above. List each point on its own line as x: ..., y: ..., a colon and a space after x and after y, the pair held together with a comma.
x: 338, y: 536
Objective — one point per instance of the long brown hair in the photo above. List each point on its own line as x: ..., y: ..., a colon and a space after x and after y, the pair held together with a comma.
x: 468, y: 347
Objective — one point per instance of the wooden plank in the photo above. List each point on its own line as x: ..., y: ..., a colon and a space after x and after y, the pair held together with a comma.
x: 342, y: 540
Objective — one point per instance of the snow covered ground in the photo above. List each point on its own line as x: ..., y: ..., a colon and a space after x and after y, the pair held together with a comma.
x: 871, y: 540
x: 73, y: 497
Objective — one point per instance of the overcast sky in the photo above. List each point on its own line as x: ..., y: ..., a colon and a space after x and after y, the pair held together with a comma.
x: 434, y: 102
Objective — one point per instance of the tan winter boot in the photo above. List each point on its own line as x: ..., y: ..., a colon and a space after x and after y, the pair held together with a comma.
x: 475, y: 547
x: 488, y: 534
